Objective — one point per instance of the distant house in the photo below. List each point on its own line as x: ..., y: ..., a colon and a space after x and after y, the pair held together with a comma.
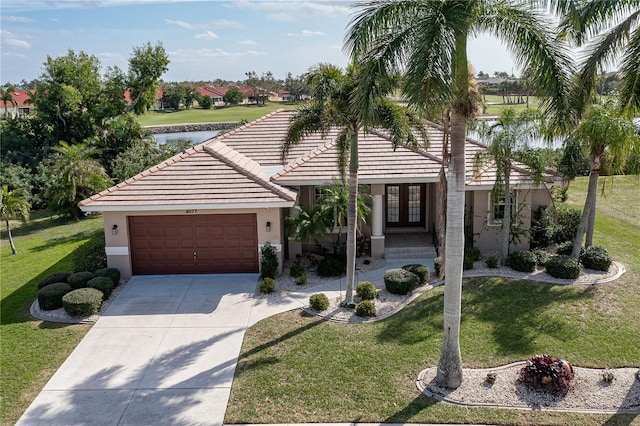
x: 158, y: 105
x: 23, y: 104
x: 212, y: 207
x: 251, y: 95
x: 280, y: 96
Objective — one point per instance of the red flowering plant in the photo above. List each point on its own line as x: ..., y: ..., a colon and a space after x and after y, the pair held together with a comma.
x: 547, y: 372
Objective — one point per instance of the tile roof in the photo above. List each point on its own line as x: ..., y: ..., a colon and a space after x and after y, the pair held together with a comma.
x: 22, y: 99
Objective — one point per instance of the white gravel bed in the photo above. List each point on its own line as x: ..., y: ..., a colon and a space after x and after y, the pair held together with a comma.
x: 588, y: 391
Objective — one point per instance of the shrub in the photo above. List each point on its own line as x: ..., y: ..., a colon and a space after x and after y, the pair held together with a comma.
x: 104, y: 284
x: 296, y: 269
x: 565, y: 248
x: 56, y: 277
x: 422, y: 271
x: 79, y: 279
x: 567, y: 223
x: 366, y: 290
x: 563, y: 266
x: 596, y: 257
x: 112, y: 273
x: 50, y: 297
x: 332, y: 265
x: 491, y: 262
x: 437, y: 262
x: 546, y: 372
x: 319, y: 301
x: 267, y: 285
x: 467, y: 263
x: 400, y: 281
x: 542, y: 227
x: 82, y: 302
x: 302, y: 279
x: 90, y: 256
x: 472, y: 252
x: 268, y: 261
x: 366, y: 308
x: 542, y: 256
x: 523, y: 261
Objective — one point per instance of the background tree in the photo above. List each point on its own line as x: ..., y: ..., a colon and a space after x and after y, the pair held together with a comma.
x: 297, y: 87
x: 428, y: 41
x: 143, y: 154
x: 205, y: 102
x: 173, y: 95
x: 6, y: 95
x: 14, y: 205
x: 233, y: 96
x: 146, y: 65
x: 74, y: 176
x: 331, y: 107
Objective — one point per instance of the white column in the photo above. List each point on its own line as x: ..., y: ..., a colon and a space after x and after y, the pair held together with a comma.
x: 377, y: 215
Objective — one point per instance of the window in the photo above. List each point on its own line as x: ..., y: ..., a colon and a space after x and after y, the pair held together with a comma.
x: 496, y: 210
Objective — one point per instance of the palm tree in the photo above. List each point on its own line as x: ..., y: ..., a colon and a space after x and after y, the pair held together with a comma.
x: 6, y: 95
x: 509, y: 139
x: 14, y: 205
x: 428, y: 41
x: 605, y: 137
x: 332, y: 107
x: 74, y: 176
x: 609, y: 29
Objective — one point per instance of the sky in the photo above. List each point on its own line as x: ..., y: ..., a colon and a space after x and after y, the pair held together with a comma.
x: 205, y: 40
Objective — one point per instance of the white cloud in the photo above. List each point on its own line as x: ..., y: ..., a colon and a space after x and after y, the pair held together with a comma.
x: 331, y: 8
x: 182, y: 24
x: 12, y: 18
x: 247, y: 42
x: 191, y: 54
x: 281, y: 17
x: 12, y: 40
x: 226, y: 23
x: 111, y: 56
x: 207, y: 35
x: 306, y: 33
x: 12, y: 55
x: 220, y: 23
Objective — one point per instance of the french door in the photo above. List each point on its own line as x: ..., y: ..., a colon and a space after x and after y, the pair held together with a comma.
x: 405, y: 205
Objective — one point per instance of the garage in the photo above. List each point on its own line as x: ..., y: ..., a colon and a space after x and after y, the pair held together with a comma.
x: 193, y: 244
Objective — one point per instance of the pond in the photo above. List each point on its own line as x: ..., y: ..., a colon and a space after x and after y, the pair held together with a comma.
x: 194, y: 137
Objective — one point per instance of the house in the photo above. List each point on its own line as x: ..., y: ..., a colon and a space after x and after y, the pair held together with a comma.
x: 210, y: 208
x: 280, y: 95
x: 217, y: 93
x: 158, y: 105
x: 23, y: 104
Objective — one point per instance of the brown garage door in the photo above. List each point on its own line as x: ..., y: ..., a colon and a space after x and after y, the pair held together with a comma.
x: 194, y: 244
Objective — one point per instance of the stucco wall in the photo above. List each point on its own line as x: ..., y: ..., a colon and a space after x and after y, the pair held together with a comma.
x: 117, y: 245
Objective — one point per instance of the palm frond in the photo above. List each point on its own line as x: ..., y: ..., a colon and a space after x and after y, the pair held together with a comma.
x: 308, y: 119
x: 629, y: 89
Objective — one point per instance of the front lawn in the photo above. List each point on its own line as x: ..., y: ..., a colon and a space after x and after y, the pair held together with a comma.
x: 31, y: 350
x: 296, y: 368
x: 214, y: 115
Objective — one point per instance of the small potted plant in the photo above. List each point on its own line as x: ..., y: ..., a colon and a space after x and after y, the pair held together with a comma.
x: 491, y: 377
x: 607, y: 376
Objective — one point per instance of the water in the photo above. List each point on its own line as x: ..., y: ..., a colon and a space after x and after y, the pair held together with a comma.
x: 194, y: 137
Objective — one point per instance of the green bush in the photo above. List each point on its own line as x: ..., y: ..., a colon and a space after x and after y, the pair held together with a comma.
x: 567, y: 223
x: 267, y: 285
x: 112, y: 273
x: 90, y: 256
x: 422, y: 271
x: 302, y: 279
x: 542, y: 227
x: 437, y: 263
x: 56, y: 277
x: 332, y: 265
x: 523, y: 261
x: 542, y: 256
x: 296, y: 269
x: 400, y: 281
x: 596, y: 257
x: 268, y: 261
x: 366, y: 290
x: 472, y: 252
x: 50, y: 297
x: 563, y: 266
x: 491, y: 262
x: 104, y: 284
x: 565, y: 248
x: 319, y: 301
x: 79, y: 279
x: 467, y: 263
x: 366, y: 308
x: 82, y: 302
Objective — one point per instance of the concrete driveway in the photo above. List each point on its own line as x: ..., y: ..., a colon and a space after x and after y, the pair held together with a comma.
x: 164, y: 352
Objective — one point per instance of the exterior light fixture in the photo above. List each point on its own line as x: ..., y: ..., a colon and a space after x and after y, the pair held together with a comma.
x: 268, y: 226
x: 114, y: 230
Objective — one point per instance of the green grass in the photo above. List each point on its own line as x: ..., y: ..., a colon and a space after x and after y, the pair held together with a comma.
x: 296, y: 368
x: 32, y: 350
x: 495, y: 105
x: 221, y: 115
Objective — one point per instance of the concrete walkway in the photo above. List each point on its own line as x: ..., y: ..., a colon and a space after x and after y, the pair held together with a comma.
x: 165, y: 351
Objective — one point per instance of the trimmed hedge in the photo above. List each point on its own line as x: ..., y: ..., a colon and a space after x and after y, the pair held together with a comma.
x: 82, y: 302
x: 542, y: 256
x: 80, y: 279
x: 319, y: 301
x: 563, y: 266
x: 50, y: 297
x: 104, y: 284
x: 56, y: 277
x: 422, y: 271
x: 523, y: 261
x: 296, y: 269
x: 565, y: 248
x: 596, y: 257
x: 112, y: 273
x: 491, y: 262
x: 366, y: 309
x: 91, y: 255
x: 366, y: 290
x: 400, y: 281
x: 267, y: 285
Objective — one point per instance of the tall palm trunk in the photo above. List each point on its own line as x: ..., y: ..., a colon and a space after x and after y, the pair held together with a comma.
x: 13, y: 246
x: 352, y: 217
x: 450, y: 364
x: 588, y: 241
x: 589, y: 208
x: 506, y: 220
